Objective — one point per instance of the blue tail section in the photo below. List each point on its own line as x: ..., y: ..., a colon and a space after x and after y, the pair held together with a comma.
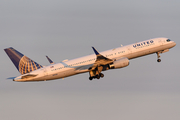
x: 22, y: 63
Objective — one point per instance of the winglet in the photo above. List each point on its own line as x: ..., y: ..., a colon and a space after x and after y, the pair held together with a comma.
x: 49, y: 60
x: 96, y: 52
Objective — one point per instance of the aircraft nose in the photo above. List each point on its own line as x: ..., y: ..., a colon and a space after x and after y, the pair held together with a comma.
x: 174, y: 44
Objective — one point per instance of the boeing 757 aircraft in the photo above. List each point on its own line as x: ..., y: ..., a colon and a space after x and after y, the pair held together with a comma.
x: 94, y: 64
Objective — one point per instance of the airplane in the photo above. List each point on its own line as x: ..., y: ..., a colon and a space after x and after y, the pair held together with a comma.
x: 94, y: 64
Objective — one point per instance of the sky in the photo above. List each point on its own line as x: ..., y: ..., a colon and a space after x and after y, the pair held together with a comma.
x: 66, y: 29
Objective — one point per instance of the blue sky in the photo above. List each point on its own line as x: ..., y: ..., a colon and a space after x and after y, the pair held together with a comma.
x: 66, y: 30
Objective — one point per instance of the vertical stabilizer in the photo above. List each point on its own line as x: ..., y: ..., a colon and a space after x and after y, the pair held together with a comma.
x: 22, y: 63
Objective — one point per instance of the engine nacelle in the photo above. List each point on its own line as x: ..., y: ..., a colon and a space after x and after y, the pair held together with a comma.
x: 120, y: 63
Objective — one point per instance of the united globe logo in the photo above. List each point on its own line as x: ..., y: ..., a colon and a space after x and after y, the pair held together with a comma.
x: 27, y: 65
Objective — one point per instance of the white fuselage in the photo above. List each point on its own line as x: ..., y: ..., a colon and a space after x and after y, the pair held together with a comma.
x: 82, y: 64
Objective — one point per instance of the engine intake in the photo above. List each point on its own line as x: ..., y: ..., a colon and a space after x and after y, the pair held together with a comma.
x: 120, y: 63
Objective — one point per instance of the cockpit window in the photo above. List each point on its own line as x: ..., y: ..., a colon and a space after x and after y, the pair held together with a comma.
x: 168, y: 40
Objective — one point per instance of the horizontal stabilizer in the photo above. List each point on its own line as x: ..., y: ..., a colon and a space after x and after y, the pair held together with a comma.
x: 11, y: 78
x: 28, y: 76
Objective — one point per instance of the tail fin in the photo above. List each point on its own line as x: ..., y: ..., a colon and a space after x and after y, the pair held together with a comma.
x: 22, y: 63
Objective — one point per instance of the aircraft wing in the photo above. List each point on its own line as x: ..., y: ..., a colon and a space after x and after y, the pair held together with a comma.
x: 100, y: 60
x: 84, y: 67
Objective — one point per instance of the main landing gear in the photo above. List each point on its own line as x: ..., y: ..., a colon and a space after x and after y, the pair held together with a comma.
x: 100, y: 75
x: 158, y: 60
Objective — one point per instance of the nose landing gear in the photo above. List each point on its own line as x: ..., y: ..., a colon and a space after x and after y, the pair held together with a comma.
x: 158, y: 60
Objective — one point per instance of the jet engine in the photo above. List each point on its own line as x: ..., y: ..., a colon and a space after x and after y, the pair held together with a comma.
x: 120, y: 63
